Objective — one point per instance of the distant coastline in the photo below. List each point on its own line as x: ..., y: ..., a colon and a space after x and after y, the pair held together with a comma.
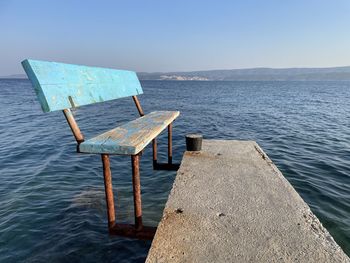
x: 14, y: 76
x: 252, y: 74
x: 255, y: 74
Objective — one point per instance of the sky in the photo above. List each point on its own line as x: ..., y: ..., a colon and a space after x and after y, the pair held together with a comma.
x: 162, y: 35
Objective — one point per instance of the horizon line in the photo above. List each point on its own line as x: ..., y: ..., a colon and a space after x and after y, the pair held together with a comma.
x: 228, y: 69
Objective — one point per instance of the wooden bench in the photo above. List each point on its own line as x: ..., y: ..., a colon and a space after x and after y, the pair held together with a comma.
x: 60, y: 86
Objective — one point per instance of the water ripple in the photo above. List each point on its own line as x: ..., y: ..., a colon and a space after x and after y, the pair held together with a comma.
x: 52, y: 200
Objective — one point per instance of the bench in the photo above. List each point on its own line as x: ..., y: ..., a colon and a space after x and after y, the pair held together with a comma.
x: 60, y: 86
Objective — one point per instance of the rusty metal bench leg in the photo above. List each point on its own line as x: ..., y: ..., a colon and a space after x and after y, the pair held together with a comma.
x: 136, y: 185
x: 170, y: 143
x: 136, y: 230
x: 154, y: 146
x: 108, y: 190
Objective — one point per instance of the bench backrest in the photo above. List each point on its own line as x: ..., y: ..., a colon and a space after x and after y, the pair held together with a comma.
x: 62, y: 86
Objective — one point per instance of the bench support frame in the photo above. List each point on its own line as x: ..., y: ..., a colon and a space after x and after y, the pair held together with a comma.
x: 165, y: 166
x: 136, y: 230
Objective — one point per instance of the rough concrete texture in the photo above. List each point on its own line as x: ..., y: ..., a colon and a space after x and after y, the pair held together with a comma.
x: 230, y: 203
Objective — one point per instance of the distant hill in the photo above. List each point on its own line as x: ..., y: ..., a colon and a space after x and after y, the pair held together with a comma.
x: 257, y: 74
x: 253, y: 74
x: 15, y: 76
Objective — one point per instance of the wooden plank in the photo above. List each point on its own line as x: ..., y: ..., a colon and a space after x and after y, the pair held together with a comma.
x: 60, y: 86
x: 131, y: 137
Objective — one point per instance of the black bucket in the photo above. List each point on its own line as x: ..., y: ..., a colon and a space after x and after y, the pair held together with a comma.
x: 194, y: 142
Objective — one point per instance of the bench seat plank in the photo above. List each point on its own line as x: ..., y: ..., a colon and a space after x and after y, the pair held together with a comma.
x: 132, y: 137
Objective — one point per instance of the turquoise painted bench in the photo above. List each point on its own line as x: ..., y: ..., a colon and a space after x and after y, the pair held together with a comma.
x: 60, y: 86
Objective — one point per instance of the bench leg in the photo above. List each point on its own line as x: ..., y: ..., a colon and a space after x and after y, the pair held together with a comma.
x: 135, y: 163
x: 154, y: 146
x: 165, y: 166
x: 108, y: 190
x: 127, y: 230
x: 170, y: 147
x: 170, y: 143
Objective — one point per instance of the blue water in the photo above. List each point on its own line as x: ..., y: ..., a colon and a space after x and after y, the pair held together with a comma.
x: 52, y: 205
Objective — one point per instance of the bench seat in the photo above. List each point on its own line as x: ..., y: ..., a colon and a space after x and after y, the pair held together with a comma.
x: 132, y: 137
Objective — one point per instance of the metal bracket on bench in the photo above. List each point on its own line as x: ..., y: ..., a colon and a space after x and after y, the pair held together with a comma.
x: 169, y: 165
x: 166, y: 166
x: 130, y: 231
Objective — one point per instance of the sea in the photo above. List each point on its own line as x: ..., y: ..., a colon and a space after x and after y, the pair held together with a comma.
x: 52, y: 206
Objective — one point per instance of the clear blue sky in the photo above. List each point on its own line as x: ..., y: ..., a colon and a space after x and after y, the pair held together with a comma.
x: 152, y: 35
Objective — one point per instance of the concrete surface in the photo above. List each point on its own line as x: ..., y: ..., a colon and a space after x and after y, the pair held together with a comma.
x: 230, y: 203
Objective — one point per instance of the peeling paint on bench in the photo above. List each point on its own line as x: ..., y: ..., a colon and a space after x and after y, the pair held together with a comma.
x: 131, y: 137
x: 61, y: 86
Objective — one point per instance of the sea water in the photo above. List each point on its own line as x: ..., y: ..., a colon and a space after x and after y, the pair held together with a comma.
x: 52, y: 206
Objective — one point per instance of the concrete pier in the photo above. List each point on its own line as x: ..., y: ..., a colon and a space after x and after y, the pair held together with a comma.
x: 230, y: 203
